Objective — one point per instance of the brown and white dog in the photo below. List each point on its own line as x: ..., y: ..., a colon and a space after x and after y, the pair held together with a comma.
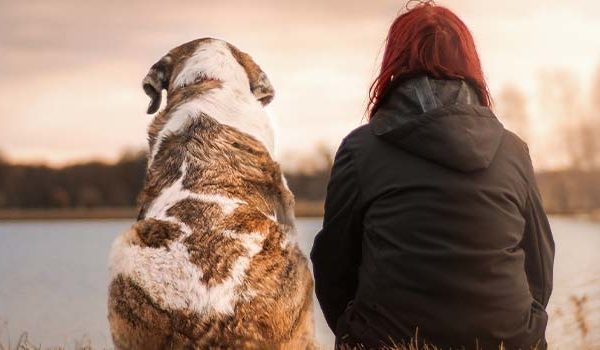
x: 212, y: 261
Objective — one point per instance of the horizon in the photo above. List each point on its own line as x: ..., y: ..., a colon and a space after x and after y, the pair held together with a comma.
x: 71, y: 88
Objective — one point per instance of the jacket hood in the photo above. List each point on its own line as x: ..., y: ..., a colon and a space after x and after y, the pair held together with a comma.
x: 440, y: 120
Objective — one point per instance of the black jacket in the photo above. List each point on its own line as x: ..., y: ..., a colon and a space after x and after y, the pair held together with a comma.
x: 433, y: 221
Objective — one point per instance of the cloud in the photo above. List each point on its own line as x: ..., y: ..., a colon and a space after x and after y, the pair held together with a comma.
x: 71, y: 70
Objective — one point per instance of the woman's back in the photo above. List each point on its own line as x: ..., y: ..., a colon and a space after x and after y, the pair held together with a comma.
x: 443, y: 220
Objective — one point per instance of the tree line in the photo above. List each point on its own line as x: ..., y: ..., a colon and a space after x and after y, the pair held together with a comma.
x: 101, y: 185
x: 98, y: 184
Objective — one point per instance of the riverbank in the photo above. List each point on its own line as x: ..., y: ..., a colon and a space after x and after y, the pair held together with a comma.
x: 593, y: 215
x: 304, y: 209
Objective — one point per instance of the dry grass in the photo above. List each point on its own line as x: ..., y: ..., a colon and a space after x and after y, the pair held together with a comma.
x: 415, y: 344
x: 23, y: 343
x: 411, y: 346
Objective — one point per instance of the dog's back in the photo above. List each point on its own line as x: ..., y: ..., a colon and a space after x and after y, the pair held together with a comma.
x: 212, y: 261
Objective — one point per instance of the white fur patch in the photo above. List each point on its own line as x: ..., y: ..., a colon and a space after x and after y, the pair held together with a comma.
x: 213, y: 60
x: 171, y: 280
x: 233, y: 104
x: 175, y: 193
x: 168, y: 275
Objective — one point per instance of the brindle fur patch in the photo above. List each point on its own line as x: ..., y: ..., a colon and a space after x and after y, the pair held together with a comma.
x: 156, y: 233
x: 215, y: 255
x: 199, y: 216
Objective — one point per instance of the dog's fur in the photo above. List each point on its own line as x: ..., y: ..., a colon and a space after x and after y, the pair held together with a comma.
x: 212, y: 261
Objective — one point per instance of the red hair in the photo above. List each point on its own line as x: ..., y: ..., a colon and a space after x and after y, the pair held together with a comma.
x: 428, y: 40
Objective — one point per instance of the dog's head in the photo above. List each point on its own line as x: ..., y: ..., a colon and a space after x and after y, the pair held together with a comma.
x: 205, y: 59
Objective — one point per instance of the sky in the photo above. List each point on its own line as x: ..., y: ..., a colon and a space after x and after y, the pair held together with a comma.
x: 71, y: 71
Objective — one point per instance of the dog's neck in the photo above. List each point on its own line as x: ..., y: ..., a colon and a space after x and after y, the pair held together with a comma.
x: 203, y: 148
x: 228, y: 104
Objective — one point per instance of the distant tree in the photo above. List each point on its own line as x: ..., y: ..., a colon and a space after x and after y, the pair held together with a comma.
x: 512, y: 110
x: 583, y: 134
x: 563, y: 105
x: 595, y: 94
x: 324, y: 157
x: 132, y: 155
x: 60, y: 198
x: 89, y: 196
x: 591, y: 137
x: 309, y: 181
x: 590, y: 142
x: 4, y: 169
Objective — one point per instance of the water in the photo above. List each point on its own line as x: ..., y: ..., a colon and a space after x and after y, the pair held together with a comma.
x: 53, y: 282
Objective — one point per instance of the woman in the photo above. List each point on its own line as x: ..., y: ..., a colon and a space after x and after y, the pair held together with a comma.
x: 433, y: 221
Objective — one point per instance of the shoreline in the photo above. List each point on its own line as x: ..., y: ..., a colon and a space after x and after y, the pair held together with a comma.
x: 304, y: 209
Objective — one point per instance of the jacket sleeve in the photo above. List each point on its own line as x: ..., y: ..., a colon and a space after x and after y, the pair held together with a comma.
x: 538, y: 245
x: 336, y: 252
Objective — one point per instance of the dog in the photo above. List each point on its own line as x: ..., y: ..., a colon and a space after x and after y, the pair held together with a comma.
x: 212, y: 261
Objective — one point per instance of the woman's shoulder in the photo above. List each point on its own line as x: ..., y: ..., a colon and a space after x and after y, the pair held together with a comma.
x: 356, y: 138
x: 514, y: 140
x: 357, y: 143
x: 515, y: 149
x: 515, y: 145
x: 358, y: 133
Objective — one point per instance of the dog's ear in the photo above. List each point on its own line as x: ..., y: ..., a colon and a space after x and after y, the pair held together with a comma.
x: 156, y: 80
x: 259, y: 82
x: 261, y: 88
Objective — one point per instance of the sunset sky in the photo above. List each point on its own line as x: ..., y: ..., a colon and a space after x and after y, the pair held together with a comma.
x: 71, y: 71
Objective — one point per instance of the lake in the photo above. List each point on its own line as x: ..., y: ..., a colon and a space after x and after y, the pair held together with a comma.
x: 53, y: 282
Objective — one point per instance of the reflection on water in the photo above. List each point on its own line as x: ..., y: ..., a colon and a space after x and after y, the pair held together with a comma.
x: 574, y: 307
x: 53, y: 281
